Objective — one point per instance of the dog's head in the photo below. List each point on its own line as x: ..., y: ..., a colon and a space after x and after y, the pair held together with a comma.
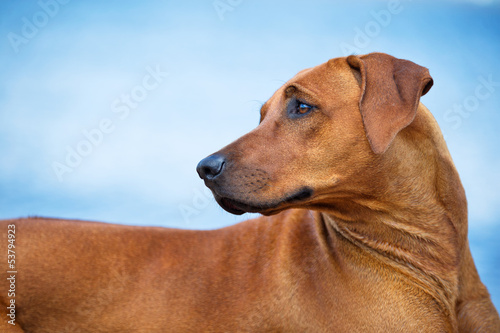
x: 319, y: 136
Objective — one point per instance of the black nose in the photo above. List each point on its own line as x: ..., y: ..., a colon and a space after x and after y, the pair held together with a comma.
x: 211, y: 166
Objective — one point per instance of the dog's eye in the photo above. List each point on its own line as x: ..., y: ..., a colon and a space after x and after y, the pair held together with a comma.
x: 303, y: 108
x: 297, y: 108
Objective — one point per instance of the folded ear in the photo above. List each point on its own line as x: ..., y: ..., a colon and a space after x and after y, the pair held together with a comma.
x: 390, y: 94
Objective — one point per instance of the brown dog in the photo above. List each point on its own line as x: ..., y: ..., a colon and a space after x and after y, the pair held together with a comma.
x: 378, y: 242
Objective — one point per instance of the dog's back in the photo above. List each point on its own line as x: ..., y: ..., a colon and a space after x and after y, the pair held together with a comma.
x: 74, y: 276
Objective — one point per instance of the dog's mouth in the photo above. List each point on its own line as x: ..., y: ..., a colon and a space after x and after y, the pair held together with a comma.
x: 238, y: 207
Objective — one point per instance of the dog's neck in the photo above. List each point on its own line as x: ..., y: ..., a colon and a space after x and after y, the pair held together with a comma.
x: 416, y: 221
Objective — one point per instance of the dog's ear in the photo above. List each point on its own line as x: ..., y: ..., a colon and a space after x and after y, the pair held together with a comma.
x: 390, y: 94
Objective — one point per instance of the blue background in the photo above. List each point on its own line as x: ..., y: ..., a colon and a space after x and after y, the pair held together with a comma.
x: 65, y: 68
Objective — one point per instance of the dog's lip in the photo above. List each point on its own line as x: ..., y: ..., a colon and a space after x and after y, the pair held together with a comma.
x: 235, y: 207
x: 238, y: 208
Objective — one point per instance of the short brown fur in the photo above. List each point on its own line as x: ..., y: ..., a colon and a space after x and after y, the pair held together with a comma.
x: 377, y: 244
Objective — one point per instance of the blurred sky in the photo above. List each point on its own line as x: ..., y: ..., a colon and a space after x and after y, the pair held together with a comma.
x: 196, y: 74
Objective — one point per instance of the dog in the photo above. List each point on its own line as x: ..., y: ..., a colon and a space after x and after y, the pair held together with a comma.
x: 364, y: 229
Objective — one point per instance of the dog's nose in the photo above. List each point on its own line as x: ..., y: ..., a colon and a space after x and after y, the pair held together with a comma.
x: 211, y: 166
